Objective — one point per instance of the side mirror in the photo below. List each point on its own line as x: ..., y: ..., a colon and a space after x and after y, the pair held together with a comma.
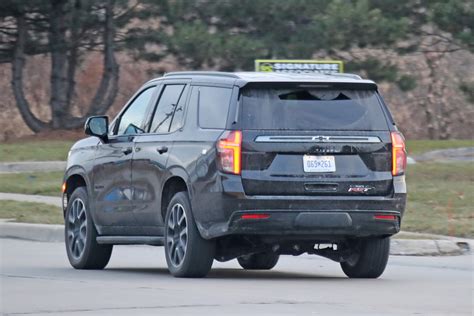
x: 97, y: 126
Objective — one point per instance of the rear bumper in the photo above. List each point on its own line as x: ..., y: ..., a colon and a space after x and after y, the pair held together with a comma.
x: 318, y: 224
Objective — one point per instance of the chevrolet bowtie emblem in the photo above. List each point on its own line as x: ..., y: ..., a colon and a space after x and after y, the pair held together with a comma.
x: 320, y: 138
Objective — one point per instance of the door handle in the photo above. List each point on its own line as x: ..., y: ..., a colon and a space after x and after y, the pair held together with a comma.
x: 127, y: 150
x: 162, y: 149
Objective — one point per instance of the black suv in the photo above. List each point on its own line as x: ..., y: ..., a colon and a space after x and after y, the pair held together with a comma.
x: 251, y: 166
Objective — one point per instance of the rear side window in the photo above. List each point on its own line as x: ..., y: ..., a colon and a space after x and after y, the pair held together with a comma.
x: 177, y: 120
x: 213, y: 104
x: 312, y: 109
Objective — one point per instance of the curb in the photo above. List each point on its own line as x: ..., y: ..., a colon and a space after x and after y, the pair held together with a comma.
x: 428, y: 247
x: 35, y: 232
x: 398, y: 247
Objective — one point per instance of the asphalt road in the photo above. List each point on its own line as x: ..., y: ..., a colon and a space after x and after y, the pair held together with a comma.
x: 36, y: 279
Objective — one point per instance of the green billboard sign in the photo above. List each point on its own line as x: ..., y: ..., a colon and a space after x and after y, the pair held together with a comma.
x: 299, y: 66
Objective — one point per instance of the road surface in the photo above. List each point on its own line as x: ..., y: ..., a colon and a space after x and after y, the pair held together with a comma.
x: 36, y: 279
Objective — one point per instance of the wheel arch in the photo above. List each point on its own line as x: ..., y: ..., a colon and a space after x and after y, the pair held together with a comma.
x: 74, y: 177
x: 73, y: 182
x: 174, y: 184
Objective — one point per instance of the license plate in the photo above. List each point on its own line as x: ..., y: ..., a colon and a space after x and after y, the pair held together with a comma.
x: 319, y: 163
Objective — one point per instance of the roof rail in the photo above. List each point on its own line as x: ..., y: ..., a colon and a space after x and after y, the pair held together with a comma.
x: 202, y: 73
x: 345, y: 74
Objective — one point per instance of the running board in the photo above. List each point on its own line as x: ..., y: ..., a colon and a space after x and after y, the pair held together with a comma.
x: 131, y: 240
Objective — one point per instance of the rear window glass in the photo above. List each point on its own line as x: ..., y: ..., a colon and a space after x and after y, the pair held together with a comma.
x: 311, y: 109
x: 213, y: 106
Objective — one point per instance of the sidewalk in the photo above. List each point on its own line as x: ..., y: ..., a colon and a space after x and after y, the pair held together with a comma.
x: 52, y: 200
x: 442, y: 155
x: 32, y: 166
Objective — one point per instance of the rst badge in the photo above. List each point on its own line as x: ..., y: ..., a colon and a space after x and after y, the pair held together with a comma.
x: 359, y: 188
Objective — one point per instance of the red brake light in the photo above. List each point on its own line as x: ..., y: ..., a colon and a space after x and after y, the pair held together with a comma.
x: 399, y: 154
x: 229, y: 151
x: 385, y: 217
x: 255, y: 216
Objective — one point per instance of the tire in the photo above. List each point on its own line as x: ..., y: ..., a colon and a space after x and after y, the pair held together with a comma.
x: 371, y: 260
x: 80, y: 234
x: 259, y: 261
x: 188, y: 255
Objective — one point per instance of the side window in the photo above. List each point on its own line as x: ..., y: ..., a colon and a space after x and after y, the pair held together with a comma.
x: 213, y: 106
x: 168, y: 103
x: 177, y: 120
x: 133, y: 118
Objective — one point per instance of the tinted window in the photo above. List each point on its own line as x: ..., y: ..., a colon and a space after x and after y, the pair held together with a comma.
x: 166, y: 107
x: 177, y: 120
x: 213, y: 106
x: 310, y: 109
x: 132, y: 119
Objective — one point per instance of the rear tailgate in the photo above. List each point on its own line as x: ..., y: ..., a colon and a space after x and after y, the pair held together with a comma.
x: 273, y: 163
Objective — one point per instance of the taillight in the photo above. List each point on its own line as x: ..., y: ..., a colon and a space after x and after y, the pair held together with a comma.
x: 229, y: 151
x: 399, y: 154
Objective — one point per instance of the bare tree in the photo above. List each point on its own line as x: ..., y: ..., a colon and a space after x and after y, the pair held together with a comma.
x: 66, y: 31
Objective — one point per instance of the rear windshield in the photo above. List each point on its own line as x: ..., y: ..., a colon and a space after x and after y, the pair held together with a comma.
x: 311, y: 109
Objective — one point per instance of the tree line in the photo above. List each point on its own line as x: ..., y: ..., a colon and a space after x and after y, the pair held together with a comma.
x: 224, y: 35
